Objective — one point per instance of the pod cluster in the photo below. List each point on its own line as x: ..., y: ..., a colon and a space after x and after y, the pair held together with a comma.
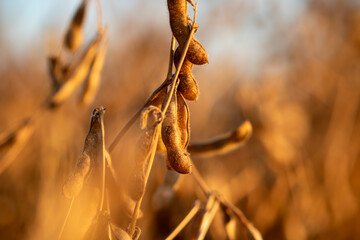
x: 77, y: 63
x: 196, y: 54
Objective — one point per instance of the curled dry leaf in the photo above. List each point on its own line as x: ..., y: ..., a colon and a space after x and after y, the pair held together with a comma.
x: 180, y: 28
x: 225, y: 144
x: 188, y: 86
x: 74, y: 34
x: 91, y: 156
x: 93, y: 81
x: 177, y: 157
x: 78, y: 75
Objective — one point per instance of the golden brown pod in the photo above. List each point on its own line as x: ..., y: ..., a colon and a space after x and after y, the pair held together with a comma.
x: 177, y: 157
x: 79, y: 74
x: 188, y: 86
x: 137, y: 181
x: 75, y: 182
x: 181, y: 30
x: 226, y: 143
x: 74, y: 35
x: 91, y: 156
x: 93, y: 81
x: 183, y: 120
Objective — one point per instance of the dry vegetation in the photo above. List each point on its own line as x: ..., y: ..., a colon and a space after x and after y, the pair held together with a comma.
x: 273, y: 157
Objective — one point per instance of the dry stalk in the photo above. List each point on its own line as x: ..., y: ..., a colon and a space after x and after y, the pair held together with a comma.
x: 185, y: 221
x: 212, y: 205
x: 131, y: 229
x: 236, y: 211
x: 66, y: 219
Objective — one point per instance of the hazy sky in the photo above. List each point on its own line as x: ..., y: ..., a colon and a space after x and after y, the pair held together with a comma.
x: 25, y: 22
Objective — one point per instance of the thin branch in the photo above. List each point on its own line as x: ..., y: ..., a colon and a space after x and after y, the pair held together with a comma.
x: 236, y: 211
x: 185, y: 221
x: 66, y: 218
x: 103, y: 162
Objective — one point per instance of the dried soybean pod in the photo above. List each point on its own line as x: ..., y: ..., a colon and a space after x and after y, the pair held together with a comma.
x: 90, y: 157
x: 188, y: 86
x: 94, y: 139
x: 75, y: 182
x: 183, y: 120
x: 181, y: 30
x: 178, y: 20
x: 78, y: 76
x: 224, y: 144
x: 137, y: 184
x: 54, y: 66
x: 197, y: 53
x: 177, y: 157
x: 74, y: 35
x: 93, y: 81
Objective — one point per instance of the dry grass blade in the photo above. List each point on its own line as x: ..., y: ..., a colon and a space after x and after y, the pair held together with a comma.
x: 66, y: 218
x: 13, y: 143
x: 79, y: 74
x: 74, y: 35
x: 229, y: 142
x: 185, y: 221
x: 93, y: 81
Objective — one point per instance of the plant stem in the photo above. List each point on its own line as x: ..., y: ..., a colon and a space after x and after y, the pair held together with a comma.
x: 185, y: 221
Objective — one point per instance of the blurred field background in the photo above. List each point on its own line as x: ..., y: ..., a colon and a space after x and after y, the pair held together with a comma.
x: 291, y: 67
